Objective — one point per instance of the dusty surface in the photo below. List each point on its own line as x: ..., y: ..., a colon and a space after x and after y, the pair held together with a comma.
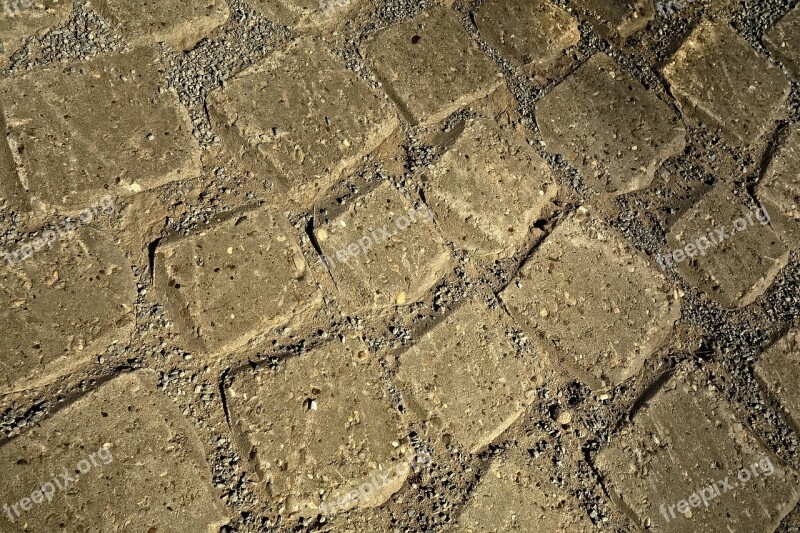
x: 387, y: 265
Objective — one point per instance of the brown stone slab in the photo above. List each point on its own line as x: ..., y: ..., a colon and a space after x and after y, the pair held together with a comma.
x: 779, y: 189
x: 779, y: 369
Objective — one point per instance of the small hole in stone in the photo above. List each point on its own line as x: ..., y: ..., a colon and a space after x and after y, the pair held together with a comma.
x: 415, y: 39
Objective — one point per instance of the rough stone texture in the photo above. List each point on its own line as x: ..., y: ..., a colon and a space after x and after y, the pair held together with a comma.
x: 488, y: 189
x: 779, y: 189
x: 17, y: 22
x: 607, y: 125
x: 779, y: 369
x: 179, y: 23
x: 319, y: 426
x: 304, y: 14
x: 592, y: 302
x: 429, y: 66
x: 80, y: 133
x: 718, y: 78
x: 736, y: 268
x: 153, y: 475
x: 395, y: 270
x: 686, y: 438
x: 229, y: 282
x: 469, y: 351
x: 62, y: 306
x: 514, y: 496
x: 12, y: 193
x: 325, y: 120
x: 531, y: 33
x: 618, y: 18
x: 783, y: 40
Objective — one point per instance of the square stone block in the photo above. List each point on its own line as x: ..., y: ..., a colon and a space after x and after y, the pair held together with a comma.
x: 779, y: 189
x: 618, y: 18
x: 783, y: 40
x: 779, y: 369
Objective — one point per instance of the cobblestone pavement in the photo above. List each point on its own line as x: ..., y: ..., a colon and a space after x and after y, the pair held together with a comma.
x: 398, y: 265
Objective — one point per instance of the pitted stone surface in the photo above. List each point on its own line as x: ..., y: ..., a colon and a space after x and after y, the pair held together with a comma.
x: 18, y: 22
x: 607, y: 125
x: 179, y: 23
x: 61, y: 306
x: 783, y: 40
x: 132, y: 461
x: 742, y: 253
x: 592, y: 302
x: 684, y: 439
x: 488, y: 189
x: 514, y: 496
x: 302, y: 114
x: 404, y: 259
x: 779, y: 369
x: 108, y: 126
x: 319, y: 426
x: 779, y: 190
x: 618, y: 18
x: 718, y: 78
x: 225, y: 284
x: 529, y: 32
x: 429, y: 66
x: 467, y: 374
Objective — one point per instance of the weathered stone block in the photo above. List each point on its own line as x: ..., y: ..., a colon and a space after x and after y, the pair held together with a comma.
x: 20, y: 19
x: 592, y: 302
x: 605, y: 123
x: 618, y: 18
x: 783, y: 40
x: 779, y: 369
x: 430, y: 67
x: 304, y: 14
x: 779, y: 190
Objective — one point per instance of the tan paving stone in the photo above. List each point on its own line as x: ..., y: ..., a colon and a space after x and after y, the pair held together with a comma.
x: 325, y: 120
x: 514, y: 495
x: 726, y: 249
x: 430, y: 67
x: 179, y: 23
x: 61, y: 306
x: 132, y: 462
x: 783, y: 40
x: 779, y: 190
x: 779, y: 369
x: 319, y: 427
x: 618, y: 18
x: 717, y: 77
x: 605, y: 123
x: 468, y: 376
x: 18, y: 22
x: 592, y: 302
x: 79, y: 133
x: 402, y: 256
x: 684, y: 441
x: 229, y: 282
x: 530, y: 33
x: 304, y: 14
x: 488, y: 189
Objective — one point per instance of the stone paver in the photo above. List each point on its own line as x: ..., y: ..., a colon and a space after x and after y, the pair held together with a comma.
x: 528, y: 32
x: 80, y: 133
x: 179, y: 23
x: 229, y: 282
x: 303, y: 114
x: 592, y: 302
x: 121, y: 458
x: 783, y: 40
x: 404, y: 256
x: 467, y: 374
x: 726, y: 249
x: 61, y: 306
x: 618, y: 18
x: 430, y: 67
x: 515, y: 496
x: 304, y: 14
x: 17, y: 22
x: 779, y: 189
x: 779, y: 369
x: 488, y: 189
x: 717, y: 77
x: 320, y: 426
x: 607, y: 125
x: 682, y: 443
